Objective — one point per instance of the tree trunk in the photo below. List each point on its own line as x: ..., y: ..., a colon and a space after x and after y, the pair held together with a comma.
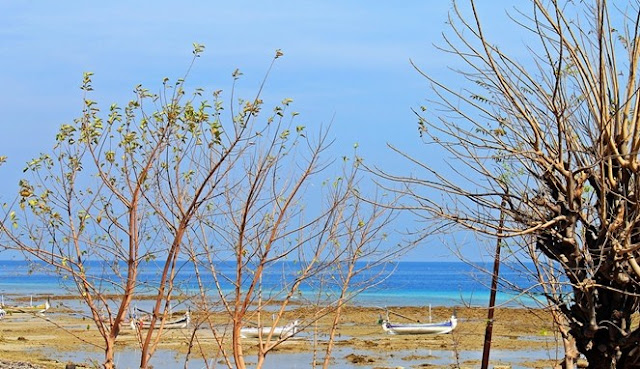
x: 238, y: 355
x: 109, y: 354
x: 602, y: 348
x: 601, y: 324
x: 600, y: 360
x: 332, y: 334
x: 144, y: 361
x: 261, y: 357
x: 570, y: 352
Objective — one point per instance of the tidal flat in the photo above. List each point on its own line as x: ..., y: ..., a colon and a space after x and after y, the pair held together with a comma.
x: 522, y: 338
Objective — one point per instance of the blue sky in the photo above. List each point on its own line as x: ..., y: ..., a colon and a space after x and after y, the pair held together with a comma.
x: 345, y: 63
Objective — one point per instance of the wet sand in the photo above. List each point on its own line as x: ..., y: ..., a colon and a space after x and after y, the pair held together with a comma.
x: 360, y: 341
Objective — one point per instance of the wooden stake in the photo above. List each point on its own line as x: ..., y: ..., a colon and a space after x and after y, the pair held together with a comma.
x: 494, y: 288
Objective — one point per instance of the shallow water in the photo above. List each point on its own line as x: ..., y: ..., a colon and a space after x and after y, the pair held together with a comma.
x: 408, y: 284
x: 166, y: 359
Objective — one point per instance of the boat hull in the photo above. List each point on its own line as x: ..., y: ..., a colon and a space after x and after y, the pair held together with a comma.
x: 421, y: 328
x: 280, y: 332
x: 176, y: 324
x: 36, y: 309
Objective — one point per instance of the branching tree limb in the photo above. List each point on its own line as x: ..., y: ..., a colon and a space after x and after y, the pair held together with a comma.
x: 557, y: 135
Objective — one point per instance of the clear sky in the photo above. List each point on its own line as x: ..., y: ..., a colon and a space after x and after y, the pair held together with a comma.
x: 345, y: 62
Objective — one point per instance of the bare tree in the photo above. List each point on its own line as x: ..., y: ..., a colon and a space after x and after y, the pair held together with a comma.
x: 123, y: 190
x: 175, y: 175
x: 557, y: 135
x: 277, y: 217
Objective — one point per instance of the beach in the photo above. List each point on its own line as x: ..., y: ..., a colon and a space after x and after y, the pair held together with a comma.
x: 522, y: 338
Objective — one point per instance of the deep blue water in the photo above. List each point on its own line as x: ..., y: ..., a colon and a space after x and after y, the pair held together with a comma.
x: 397, y: 284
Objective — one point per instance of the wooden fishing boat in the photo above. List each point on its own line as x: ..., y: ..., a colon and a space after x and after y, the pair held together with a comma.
x: 30, y: 309
x: 145, y: 323
x: 420, y: 328
x: 280, y: 332
x: 171, y: 324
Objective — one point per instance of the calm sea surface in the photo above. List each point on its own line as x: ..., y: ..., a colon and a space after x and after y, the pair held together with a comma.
x: 396, y: 284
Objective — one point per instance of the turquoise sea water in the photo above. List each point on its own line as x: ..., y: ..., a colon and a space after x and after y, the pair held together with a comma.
x: 397, y: 284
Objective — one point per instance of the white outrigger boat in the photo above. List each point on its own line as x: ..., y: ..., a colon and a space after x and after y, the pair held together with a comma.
x: 282, y: 332
x: 421, y: 328
x: 31, y: 309
x: 144, y: 323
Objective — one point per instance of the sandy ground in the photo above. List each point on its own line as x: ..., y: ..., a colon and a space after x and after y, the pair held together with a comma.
x: 32, y: 338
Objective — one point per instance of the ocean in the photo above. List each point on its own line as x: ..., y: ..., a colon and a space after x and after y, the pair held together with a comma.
x: 394, y: 284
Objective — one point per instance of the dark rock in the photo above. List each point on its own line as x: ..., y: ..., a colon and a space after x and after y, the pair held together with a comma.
x: 359, y: 359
